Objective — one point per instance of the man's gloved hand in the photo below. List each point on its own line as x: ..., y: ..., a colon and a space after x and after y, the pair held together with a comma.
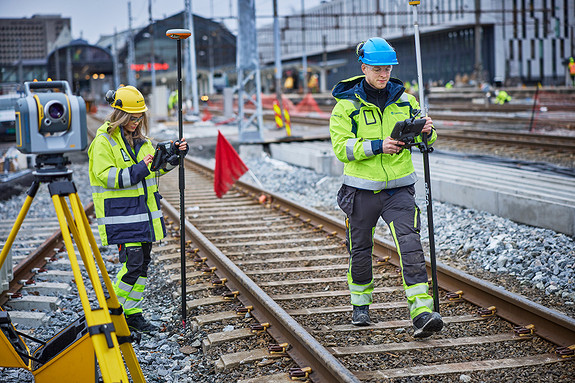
x: 182, y: 146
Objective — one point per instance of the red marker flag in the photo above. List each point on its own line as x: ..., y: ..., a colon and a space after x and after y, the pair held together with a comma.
x: 229, y: 166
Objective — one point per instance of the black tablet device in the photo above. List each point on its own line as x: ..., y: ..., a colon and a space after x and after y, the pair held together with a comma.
x: 406, y: 131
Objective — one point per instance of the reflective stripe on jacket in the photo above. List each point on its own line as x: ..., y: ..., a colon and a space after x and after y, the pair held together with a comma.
x: 125, y: 192
x: 355, y: 123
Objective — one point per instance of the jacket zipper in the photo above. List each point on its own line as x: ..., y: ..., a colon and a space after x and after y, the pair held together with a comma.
x: 380, y: 113
x: 133, y: 156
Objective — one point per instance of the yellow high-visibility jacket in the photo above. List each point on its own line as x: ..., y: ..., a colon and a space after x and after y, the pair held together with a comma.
x: 125, y: 192
x: 357, y: 128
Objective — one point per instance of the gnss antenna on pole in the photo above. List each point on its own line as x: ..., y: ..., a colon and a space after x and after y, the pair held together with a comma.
x: 179, y: 35
x: 425, y: 150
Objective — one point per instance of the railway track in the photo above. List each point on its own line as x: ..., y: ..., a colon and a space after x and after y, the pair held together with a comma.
x: 517, y: 115
x: 474, y: 138
x: 281, y: 270
x: 474, y: 132
x: 266, y: 285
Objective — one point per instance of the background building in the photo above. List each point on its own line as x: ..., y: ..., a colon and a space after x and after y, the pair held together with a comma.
x: 510, y: 41
x: 25, y: 44
x: 498, y: 41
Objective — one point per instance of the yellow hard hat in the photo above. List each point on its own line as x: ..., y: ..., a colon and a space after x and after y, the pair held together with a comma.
x: 127, y: 98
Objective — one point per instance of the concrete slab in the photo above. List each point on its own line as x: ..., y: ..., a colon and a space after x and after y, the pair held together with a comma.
x: 536, y: 198
x: 56, y: 276
x: 33, y: 302
x: 529, y: 197
x: 48, y: 288
x: 317, y: 156
x: 32, y: 319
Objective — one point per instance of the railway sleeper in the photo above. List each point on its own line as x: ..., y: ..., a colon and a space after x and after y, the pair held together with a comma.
x: 459, y: 368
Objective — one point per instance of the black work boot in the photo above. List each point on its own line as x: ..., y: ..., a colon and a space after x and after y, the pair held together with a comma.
x: 360, y: 316
x: 138, y: 323
x: 425, y: 324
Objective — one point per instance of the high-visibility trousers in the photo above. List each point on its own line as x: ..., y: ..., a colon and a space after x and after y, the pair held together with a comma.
x: 131, y: 279
x: 398, y: 209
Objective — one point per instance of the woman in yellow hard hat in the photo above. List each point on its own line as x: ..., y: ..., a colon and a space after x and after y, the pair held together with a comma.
x: 126, y: 197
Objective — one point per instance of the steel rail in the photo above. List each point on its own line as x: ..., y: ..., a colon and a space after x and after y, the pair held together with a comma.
x: 550, y: 324
x: 36, y: 260
x: 304, y: 348
x: 539, y: 141
x: 437, y: 115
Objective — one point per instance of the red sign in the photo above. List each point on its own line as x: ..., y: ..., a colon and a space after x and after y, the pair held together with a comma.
x: 148, y: 67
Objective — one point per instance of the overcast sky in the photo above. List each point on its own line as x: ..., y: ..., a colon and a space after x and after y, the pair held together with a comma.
x: 90, y: 19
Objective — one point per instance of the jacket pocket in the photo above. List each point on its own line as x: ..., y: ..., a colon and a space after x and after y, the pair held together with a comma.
x: 345, y: 198
x: 124, y: 206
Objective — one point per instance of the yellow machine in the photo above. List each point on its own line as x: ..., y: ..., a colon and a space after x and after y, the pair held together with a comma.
x: 102, y: 335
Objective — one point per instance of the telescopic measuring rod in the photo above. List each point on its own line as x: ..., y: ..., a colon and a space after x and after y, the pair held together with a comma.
x: 179, y: 35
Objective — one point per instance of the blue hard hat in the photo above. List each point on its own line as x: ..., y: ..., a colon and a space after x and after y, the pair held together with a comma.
x: 376, y: 51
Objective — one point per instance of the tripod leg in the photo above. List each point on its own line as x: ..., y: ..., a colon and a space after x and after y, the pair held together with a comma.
x: 118, y: 319
x: 21, y: 215
x: 99, y: 323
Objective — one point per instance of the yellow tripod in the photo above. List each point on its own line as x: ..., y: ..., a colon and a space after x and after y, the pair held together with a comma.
x: 69, y: 355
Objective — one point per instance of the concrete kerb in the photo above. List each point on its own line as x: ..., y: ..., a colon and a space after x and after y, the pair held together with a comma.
x: 533, y: 198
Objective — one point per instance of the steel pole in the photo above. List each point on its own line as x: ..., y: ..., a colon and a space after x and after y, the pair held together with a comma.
x: 278, y: 61
x: 182, y: 187
x: 179, y: 35
x: 425, y: 150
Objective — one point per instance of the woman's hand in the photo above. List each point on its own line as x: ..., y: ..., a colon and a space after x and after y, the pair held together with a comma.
x: 148, y: 159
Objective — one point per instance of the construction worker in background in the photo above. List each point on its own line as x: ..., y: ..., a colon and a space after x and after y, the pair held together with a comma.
x: 502, y: 97
x: 407, y: 86
x: 289, y: 83
x: 378, y: 181
x: 126, y: 197
x: 571, y: 67
x: 173, y: 102
x: 313, y: 84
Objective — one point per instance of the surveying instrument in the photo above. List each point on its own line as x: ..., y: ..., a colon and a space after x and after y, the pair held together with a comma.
x: 50, y: 124
x: 425, y: 149
x: 179, y: 35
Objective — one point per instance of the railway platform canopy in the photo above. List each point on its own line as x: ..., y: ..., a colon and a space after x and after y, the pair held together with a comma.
x: 83, y: 66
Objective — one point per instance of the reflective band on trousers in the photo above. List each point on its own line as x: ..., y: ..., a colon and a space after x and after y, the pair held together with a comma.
x: 361, y: 295
x: 130, y: 297
x: 418, y: 299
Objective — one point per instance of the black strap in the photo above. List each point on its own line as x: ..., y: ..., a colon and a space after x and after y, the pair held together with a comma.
x: 117, y: 311
x: 107, y: 329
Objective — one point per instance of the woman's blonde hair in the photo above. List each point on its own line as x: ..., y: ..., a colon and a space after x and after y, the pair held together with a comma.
x: 119, y: 118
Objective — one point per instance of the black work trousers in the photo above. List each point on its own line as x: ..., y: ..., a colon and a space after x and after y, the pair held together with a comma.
x: 398, y: 209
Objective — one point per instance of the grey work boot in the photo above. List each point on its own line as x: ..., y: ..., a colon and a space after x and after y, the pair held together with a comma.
x: 360, y: 316
x: 425, y: 324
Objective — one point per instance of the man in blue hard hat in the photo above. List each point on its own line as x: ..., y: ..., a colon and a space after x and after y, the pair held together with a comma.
x: 378, y: 181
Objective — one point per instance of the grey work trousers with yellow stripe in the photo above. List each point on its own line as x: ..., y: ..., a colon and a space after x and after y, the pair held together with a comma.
x: 398, y: 209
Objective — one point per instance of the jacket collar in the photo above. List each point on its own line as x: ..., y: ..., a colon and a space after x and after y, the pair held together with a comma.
x: 352, y: 89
